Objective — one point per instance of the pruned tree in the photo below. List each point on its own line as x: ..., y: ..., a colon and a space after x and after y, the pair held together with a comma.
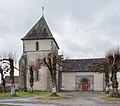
x: 9, y: 61
x: 32, y: 67
x: 51, y: 63
x: 4, y: 68
x: 11, y: 68
x: 113, y: 57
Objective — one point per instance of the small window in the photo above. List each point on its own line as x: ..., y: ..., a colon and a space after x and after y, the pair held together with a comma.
x: 37, y: 75
x: 23, y: 46
x: 44, y: 31
x: 37, y: 46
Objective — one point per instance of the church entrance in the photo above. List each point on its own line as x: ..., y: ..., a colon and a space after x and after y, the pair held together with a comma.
x: 84, y: 85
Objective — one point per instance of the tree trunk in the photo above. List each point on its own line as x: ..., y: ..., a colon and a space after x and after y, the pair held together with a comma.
x: 107, y: 80
x: 54, y: 89
x: 31, y: 88
x: 13, y: 89
x: 13, y: 93
x: 115, y: 92
x: 3, y: 82
x: 107, y: 89
x: 3, y: 89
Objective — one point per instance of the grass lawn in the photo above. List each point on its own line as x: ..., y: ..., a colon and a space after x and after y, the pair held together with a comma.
x: 7, y: 105
x: 22, y: 94
x: 107, y: 97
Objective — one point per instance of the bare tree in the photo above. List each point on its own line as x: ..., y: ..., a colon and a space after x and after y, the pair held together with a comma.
x: 113, y: 57
x: 9, y: 60
x: 11, y: 68
x: 51, y: 62
x: 3, y: 70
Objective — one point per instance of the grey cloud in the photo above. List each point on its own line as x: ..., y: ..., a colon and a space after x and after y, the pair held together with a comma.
x: 82, y: 28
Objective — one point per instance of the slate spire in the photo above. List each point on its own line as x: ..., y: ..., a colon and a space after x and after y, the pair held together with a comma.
x: 39, y: 31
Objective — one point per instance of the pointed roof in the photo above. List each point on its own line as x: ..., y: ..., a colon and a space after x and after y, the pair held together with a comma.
x: 39, y: 31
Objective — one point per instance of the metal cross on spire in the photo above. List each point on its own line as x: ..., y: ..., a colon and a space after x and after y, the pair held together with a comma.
x: 42, y: 11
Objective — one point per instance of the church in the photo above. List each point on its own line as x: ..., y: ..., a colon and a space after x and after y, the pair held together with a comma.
x: 39, y: 42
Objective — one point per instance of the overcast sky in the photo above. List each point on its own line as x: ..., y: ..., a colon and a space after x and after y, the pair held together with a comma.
x: 82, y: 28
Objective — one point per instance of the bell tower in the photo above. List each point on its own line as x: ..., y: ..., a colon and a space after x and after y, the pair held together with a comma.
x: 38, y: 42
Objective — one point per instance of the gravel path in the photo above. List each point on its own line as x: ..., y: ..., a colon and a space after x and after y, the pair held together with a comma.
x: 73, y: 99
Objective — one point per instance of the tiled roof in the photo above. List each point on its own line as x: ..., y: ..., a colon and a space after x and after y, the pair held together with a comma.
x: 8, y: 79
x: 80, y: 65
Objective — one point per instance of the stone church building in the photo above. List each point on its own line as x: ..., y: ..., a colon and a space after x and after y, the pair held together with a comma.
x: 39, y: 42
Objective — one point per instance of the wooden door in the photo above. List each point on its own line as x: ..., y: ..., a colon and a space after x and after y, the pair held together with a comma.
x: 84, y: 85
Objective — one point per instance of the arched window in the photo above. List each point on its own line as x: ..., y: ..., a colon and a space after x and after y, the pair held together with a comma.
x: 37, y: 77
